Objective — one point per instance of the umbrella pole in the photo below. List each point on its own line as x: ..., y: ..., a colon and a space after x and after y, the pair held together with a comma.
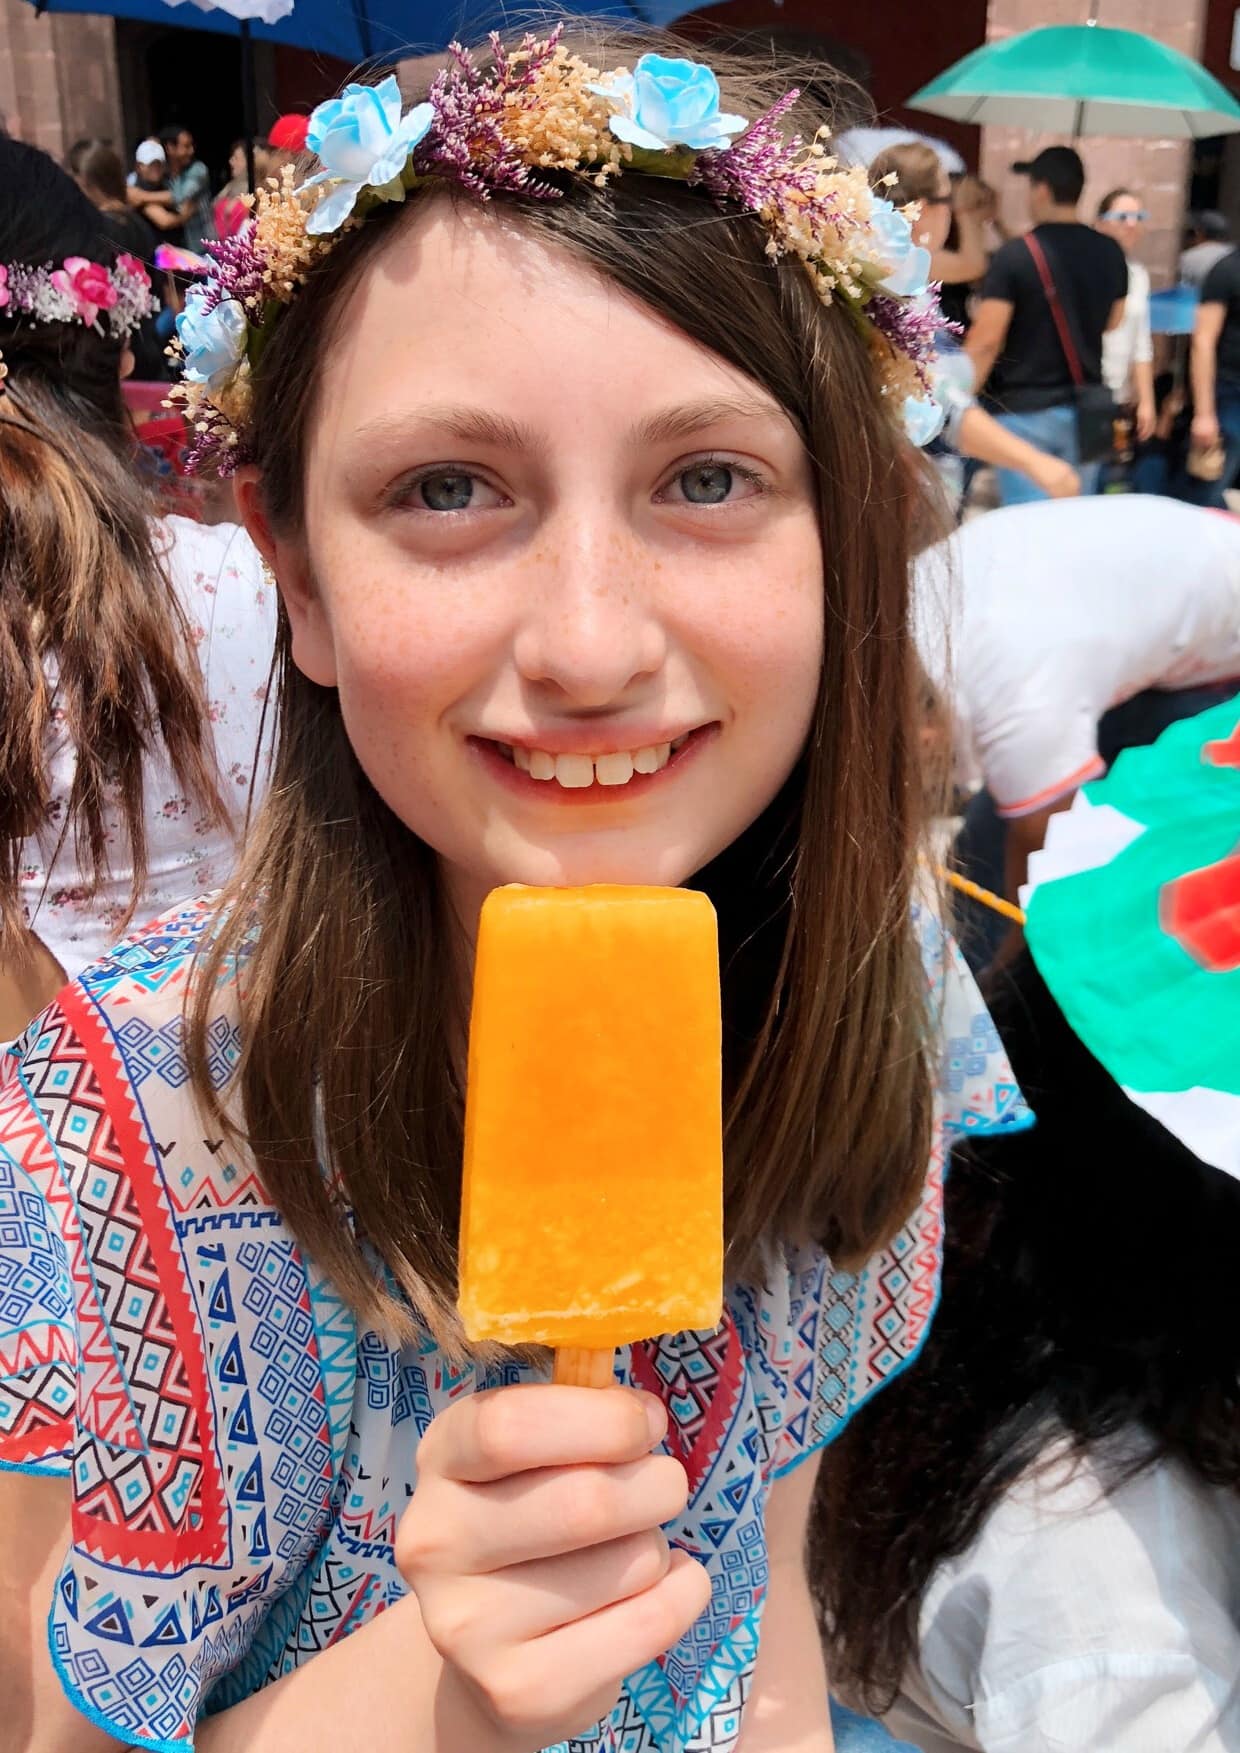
x: 249, y: 99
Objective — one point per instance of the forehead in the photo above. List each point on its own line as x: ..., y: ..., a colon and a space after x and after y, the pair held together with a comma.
x: 1125, y: 204
x: 465, y: 303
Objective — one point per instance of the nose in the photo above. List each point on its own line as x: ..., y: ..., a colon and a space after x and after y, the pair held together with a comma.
x: 593, y: 630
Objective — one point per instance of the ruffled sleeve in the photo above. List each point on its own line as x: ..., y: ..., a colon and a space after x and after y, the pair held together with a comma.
x: 841, y: 1336
x: 165, y: 1346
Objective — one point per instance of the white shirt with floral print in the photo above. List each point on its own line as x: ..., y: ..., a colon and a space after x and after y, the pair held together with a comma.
x: 231, y: 609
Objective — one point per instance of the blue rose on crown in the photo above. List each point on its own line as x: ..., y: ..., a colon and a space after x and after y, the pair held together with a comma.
x: 362, y: 141
x: 666, y: 103
x: 534, y: 113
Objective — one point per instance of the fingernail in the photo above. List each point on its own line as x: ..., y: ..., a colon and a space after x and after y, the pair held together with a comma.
x: 656, y: 1417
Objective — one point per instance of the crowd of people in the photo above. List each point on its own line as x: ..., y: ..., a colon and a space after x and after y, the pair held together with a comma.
x: 960, y: 1468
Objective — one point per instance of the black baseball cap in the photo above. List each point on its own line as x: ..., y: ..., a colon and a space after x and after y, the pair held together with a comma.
x: 1059, y: 167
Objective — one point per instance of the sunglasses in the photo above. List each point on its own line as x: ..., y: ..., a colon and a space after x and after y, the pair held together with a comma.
x: 1127, y: 218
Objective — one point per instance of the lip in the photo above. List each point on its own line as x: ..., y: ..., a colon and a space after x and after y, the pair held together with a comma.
x: 549, y: 791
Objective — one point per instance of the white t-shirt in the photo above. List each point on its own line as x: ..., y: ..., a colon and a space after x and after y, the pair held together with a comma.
x: 1131, y: 343
x: 231, y: 610
x: 1085, y: 1623
x: 1036, y: 619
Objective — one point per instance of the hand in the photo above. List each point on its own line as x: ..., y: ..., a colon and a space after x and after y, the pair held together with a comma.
x: 533, y: 1545
x: 1057, y: 479
x: 1204, y: 432
x: 1147, y: 420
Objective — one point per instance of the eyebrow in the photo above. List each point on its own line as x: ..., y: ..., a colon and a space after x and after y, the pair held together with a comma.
x: 498, y: 432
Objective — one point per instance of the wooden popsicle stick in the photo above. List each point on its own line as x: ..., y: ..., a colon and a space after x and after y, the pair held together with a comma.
x: 578, y: 1368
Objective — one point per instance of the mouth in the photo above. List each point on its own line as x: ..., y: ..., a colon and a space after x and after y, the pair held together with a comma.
x: 581, y: 777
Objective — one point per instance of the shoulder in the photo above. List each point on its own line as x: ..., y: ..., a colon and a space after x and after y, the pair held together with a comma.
x: 1122, y: 1636
x: 1223, y: 280
x: 1010, y: 266
x: 201, y: 558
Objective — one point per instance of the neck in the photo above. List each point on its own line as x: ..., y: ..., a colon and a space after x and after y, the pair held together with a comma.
x: 1058, y: 214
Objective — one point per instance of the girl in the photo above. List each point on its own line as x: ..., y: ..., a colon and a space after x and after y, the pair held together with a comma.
x: 121, y: 781
x: 586, y: 493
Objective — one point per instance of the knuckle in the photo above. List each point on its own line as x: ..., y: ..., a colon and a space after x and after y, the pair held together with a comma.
x: 449, y: 1619
x: 419, y: 1542
x: 496, y: 1431
x: 513, y: 1694
x: 660, y: 1618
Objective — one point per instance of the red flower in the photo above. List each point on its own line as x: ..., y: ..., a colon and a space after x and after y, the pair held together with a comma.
x: 89, y: 286
x: 135, y: 269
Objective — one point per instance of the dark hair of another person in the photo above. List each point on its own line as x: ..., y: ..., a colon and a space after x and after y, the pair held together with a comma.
x: 99, y: 168
x: 827, y: 1081
x: 1089, y: 1291
x: 1063, y: 178
x: 1111, y: 197
x: 1211, y: 225
x: 171, y: 134
x: 81, y: 587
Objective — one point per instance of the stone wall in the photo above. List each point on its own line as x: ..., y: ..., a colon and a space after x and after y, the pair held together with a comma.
x: 57, y: 77
x: 1157, y: 170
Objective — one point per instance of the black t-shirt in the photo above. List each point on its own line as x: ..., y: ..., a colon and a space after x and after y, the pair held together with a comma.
x: 1090, y: 274
x: 1222, y: 286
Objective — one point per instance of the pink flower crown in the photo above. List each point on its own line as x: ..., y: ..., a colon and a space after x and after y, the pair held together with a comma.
x: 81, y: 291
x: 537, y: 109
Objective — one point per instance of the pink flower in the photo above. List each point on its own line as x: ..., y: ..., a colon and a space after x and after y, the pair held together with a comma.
x: 4, y: 286
x: 135, y: 269
x: 89, y: 286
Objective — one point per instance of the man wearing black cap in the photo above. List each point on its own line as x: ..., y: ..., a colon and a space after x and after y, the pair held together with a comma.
x: 1040, y: 355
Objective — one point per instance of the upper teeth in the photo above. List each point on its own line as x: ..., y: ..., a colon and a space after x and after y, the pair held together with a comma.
x: 575, y: 772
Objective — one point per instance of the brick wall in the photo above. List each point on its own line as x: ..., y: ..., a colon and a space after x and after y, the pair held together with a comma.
x: 1157, y: 170
x: 57, y: 77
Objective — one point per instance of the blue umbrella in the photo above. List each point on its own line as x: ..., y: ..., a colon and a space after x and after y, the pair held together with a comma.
x: 362, y: 30
x: 1172, y: 312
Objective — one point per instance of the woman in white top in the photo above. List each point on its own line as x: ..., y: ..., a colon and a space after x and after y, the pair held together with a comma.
x: 1038, y: 1537
x: 1128, y: 350
x: 123, y: 776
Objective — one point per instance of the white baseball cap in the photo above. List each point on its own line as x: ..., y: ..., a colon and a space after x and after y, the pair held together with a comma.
x: 150, y: 152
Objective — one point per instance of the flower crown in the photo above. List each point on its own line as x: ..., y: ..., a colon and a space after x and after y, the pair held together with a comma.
x: 537, y: 109
x: 81, y: 291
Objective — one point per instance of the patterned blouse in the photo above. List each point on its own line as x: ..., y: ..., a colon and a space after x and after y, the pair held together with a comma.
x: 231, y: 610
x: 239, y: 1452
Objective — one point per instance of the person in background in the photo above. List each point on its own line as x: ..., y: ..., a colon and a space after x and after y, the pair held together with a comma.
x: 1032, y: 1540
x: 147, y: 190
x: 187, y: 194
x: 99, y: 173
x: 1207, y: 242
x: 956, y: 295
x: 1057, y: 635
x: 912, y: 172
x: 1214, y: 377
x: 134, y: 649
x: 1128, y: 350
x: 231, y: 207
x: 1014, y: 343
x: 915, y: 165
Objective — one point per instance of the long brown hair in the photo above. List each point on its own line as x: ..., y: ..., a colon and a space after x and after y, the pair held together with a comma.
x: 346, y: 980
x: 91, y: 632
x: 916, y: 168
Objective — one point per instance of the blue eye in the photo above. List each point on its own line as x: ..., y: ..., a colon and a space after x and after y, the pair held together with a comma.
x: 446, y: 492
x: 707, y: 483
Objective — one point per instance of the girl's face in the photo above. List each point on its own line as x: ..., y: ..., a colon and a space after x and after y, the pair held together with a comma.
x: 236, y: 161
x: 561, y: 564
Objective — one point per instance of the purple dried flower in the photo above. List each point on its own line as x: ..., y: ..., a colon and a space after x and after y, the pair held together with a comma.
x: 239, y: 271
x: 467, y: 144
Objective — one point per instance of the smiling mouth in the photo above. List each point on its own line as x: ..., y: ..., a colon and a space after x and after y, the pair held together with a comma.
x: 579, y: 772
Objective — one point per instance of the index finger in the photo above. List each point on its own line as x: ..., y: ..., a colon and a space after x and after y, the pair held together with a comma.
x: 503, y: 1431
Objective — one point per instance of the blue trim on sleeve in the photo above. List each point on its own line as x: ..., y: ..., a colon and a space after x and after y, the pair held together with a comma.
x: 118, y: 1731
x: 37, y: 1469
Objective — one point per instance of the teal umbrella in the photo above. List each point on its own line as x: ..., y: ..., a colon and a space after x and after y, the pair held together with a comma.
x: 1083, y: 79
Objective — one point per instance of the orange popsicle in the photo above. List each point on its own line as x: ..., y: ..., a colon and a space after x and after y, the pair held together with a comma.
x: 592, y: 1207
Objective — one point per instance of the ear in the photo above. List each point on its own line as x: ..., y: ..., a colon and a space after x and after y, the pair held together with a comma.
x: 313, y: 648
